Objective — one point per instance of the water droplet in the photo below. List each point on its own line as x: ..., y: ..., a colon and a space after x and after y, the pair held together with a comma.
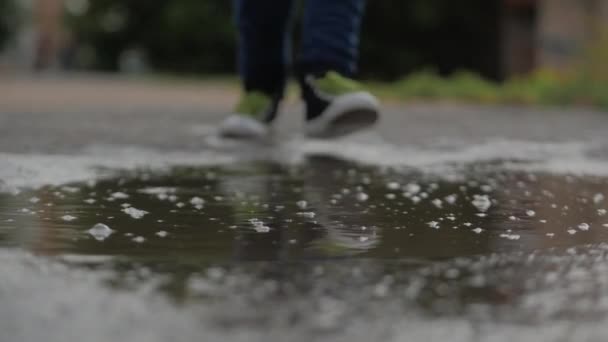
x: 583, y: 226
x: 302, y: 204
x: 390, y: 196
x: 119, y: 195
x: 157, y: 190
x: 412, y: 188
x: 259, y: 226
x: 393, y: 185
x: 135, y: 213
x: 362, y: 197
x: 68, y: 218
x: 481, y: 202
x: 162, y: 233
x: 139, y: 239
x: 100, y: 231
x: 598, y: 198
x: 196, y: 201
x: 307, y: 214
x: 510, y: 236
x: 451, y: 199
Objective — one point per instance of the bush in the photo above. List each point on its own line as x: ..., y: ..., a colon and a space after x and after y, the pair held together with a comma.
x: 8, y: 15
x: 198, y: 35
x: 175, y: 35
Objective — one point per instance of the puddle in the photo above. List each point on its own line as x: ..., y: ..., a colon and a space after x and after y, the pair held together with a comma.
x: 323, y: 208
x: 325, y: 247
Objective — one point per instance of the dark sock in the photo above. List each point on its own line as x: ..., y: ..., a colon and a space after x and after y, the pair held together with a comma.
x: 314, y: 104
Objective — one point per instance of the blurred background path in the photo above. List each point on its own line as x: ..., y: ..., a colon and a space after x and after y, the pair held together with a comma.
x: 60, y: 112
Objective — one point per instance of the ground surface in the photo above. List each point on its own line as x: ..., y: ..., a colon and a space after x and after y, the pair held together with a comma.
x: 445, y: 222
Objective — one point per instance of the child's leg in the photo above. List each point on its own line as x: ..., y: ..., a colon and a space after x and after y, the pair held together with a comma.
x: 264, y: 49
x: 264, y: 44
x: 335, y: 104
x: 330, y: 36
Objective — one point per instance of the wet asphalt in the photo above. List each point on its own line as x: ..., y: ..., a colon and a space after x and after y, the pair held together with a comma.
x: 446, y: 221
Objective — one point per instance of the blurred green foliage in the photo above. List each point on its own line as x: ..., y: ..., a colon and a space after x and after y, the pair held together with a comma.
x: 586, y: 83
x: 541, y: 87
x: 199, y: 36
x: 8, y: 15
x: 175, y: 35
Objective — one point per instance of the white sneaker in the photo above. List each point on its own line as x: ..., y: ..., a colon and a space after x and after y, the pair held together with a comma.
x: 241, y: 126
x: 252, y: 117
x: 337, y: 106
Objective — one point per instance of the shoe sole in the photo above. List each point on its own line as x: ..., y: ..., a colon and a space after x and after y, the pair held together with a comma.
x: 346, y: 115
x: 243, y: 127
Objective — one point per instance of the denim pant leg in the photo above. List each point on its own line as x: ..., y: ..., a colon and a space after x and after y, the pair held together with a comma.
x: 264, y: 44
x: 330, y: 36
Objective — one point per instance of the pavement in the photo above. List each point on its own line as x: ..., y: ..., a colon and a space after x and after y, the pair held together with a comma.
x: 66, y: 113
x: 62, y: 134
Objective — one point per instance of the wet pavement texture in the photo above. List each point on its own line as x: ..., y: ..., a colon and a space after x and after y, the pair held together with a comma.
x: 447, y: 222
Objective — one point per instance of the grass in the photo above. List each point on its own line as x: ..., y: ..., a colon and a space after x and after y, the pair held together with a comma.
x: 585, y: 83
x: 542, y: 87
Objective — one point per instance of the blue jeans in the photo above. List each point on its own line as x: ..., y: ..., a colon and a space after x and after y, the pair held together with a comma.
x: 330, y: 40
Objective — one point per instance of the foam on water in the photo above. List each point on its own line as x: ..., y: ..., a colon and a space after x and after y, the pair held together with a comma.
x: 34, y: 295
x: 33, y: 170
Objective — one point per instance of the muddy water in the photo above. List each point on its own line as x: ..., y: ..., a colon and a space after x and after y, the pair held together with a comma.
x: 325, y: 246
